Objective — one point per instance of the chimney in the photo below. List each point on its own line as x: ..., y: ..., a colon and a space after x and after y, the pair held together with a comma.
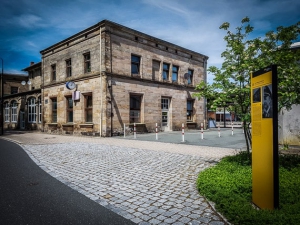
x: 31, y: 63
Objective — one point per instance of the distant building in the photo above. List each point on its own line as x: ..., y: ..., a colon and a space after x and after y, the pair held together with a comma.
x: 108, y: 76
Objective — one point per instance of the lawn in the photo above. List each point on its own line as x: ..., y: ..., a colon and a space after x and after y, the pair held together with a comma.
x: 228, y: 185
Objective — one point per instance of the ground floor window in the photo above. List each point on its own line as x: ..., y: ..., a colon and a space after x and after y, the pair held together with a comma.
x: 189, y: 111
x: 31, y: 110
x: 14, y: 112
x: 54, y: 110
x: 88, y: 108
x: 6, y: 112
x: 135, y: 108
x: 69, y: 110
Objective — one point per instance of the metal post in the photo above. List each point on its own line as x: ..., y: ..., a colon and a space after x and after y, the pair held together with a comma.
x: 2, y: 99
x: 156, y: 131
x: 182, y: 132
x: 219, y: 130
x: 124, y: 130
x: 231, y: 128
x: 201, y: 130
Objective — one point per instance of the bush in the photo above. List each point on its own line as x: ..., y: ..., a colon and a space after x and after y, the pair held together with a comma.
x: 229, y: 185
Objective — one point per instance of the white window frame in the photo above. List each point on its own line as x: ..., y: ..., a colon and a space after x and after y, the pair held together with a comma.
x: 6, y: 112
x: 14, y: 112
x: 31, y: 110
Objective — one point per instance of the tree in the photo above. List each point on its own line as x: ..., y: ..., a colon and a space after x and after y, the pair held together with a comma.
x: 241, y: 57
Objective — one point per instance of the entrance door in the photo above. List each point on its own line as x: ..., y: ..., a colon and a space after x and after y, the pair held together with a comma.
x: 22, y: 120
x: 165, y: 102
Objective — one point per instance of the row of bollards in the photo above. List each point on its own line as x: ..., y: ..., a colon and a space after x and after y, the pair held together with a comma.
x: 182, y: 131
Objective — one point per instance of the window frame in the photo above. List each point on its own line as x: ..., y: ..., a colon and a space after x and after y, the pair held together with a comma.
x: 135, y: 108
x: 166, y: 71
x: 189, y: 112
x: 14, y: 90
x: 69, y: 67
x: 53, y: 72
x: 14, y: 111
x: 87, y: 62
x: 6, y: 112
x: 175, y: 73
x: 136, y: 64
x: 53, y: 109
x: 191, y: 75
x: 69, y: 109
x: 32, y: 114
x: 88, y: 108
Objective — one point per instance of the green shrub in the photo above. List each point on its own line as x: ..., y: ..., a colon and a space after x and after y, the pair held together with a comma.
x: 229, y: 185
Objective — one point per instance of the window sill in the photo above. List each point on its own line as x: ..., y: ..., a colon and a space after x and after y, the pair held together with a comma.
x: 52, y: 124
x: 68, y: 124
x: 86, y: 125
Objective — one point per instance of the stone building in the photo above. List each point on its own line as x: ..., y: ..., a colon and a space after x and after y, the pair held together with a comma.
x: 22, y: 105
x: 109, y: 75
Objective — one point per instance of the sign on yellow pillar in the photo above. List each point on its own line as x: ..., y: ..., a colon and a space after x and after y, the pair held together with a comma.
x: 264, y: 121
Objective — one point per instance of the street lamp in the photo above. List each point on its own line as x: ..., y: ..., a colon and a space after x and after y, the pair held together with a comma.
x: 2, y: 99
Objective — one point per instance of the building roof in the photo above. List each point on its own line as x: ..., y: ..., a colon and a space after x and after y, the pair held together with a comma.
x: 33, y: 66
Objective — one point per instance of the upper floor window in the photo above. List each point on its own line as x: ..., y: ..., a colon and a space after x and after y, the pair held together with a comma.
x: 189, y: 110
x: 14, y: 111
x: 166, y: 68
x: 175, y: 74
x: 30, y: 74
x: 14, y: 90
x: 53, y: 72
x: 89, y: 108
x: 6, y: 112
x: 155, y: 69
x: 69, y: 110
x: 31, y: 110
x: 54, y: 110
x: 87, y: 62
x: 69, y: 67
x: 135, y: 64
x: 190, y: 77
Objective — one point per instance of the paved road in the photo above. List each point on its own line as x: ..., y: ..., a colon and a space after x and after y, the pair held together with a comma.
x: 31, y: 196
x: 147, y: 182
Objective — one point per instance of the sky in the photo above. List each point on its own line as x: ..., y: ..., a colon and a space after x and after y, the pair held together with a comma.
x: 29, y: 26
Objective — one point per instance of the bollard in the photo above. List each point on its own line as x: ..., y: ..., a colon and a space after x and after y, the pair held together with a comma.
x: 219, y: 130
x: 134, y: 131
x: 156, y: 131
x: 231, y: 128
x: 124, y: 130
x: 201, y: 130
x: 182, y: 132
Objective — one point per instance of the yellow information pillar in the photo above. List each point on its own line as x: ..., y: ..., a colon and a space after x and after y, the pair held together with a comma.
x: 264, y: 122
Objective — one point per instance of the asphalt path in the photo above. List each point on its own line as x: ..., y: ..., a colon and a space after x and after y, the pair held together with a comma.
x: 28, y: 195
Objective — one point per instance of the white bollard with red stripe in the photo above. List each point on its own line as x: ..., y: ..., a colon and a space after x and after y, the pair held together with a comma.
x: 182, y: 132
x: 156, y: 131
x: 134, y: 131
x: 219, y: 131
x: 201, y: 130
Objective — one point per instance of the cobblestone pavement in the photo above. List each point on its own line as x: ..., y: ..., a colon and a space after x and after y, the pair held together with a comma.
x: 146, y: 182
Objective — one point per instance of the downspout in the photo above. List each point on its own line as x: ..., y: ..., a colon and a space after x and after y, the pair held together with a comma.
x: 205, y: 99
x: 101, y: 94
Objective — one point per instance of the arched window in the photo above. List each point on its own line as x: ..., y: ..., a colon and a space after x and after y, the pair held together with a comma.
x: 14, y: 111
x: 6, y: 112
x: 31, y: 110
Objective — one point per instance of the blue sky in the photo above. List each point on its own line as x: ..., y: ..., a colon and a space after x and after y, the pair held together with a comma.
x: 29, y: 26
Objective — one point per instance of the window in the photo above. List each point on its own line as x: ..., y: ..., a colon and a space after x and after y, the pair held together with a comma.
x: 155, y: 69
x: 89, y: 108
x: 14, y: 112
x: 30, y: 74
x: 53, y: 71
x: 135, y: 64
x: 190, y: 77
x: 6, y: 112
x: 166, y: 71
x: 164, y: 103
x: 174, y: 73
x: 31, y: 110
x: 87, y: 62
x: 14, y: 90
x: 189, y: 111
x: 54, y: 110
x: 69, y: 110
x: 69, y: 67
x: 40, y: 109
x: 135, y: 108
